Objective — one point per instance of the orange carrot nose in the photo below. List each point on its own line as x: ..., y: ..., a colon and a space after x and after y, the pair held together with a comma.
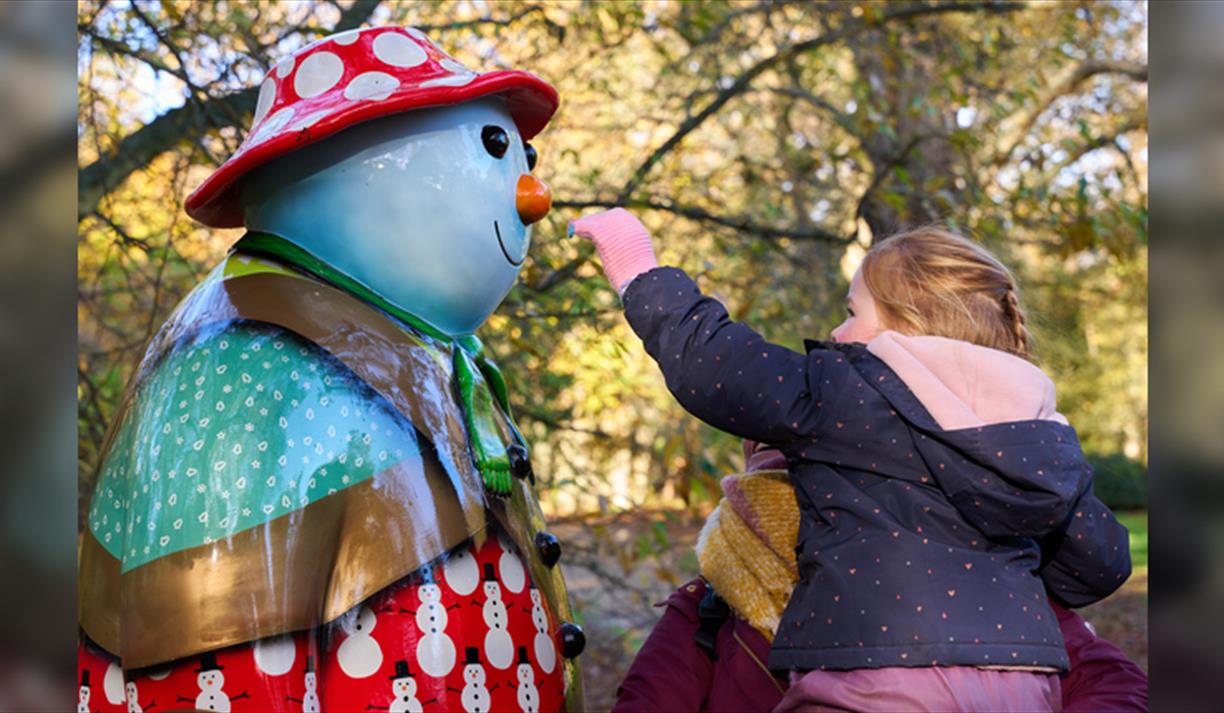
x: 533, y: 199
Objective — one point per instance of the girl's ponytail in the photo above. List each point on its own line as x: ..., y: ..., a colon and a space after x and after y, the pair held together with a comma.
x: 1013, y: 313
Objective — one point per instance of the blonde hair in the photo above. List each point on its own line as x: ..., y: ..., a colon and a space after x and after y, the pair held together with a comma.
x: 931, y: 281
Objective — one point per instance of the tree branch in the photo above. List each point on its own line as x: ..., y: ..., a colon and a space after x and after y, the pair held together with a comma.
x: 556, y: 276
x: 742, y: 82
x: 1071, y: 79
x: 140, y: 147
x: 555, y: 424
x: 843, y: 120
x: 766, y: 6
x: 564, y: 272
x: 127, y: 239
x: 463, y: 24
x: 1109, y: 139
x: 116, y: 47
x: 183, y: 124
x: 355, y: 15
x: 743, y: 224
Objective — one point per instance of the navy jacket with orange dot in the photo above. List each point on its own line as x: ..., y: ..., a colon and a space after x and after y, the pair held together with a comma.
x: 917, y: 546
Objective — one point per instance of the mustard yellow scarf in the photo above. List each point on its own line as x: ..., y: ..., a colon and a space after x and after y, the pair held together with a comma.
x: 746, y: 549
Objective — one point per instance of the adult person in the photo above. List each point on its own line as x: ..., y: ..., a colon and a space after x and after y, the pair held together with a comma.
x: 708, y: 651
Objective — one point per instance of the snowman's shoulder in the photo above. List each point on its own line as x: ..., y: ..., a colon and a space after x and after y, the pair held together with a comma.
x: 233, y: 427
x: 252, y: 373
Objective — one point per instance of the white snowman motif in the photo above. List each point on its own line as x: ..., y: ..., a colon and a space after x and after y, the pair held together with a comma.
x: 475, y: 696
x: 403, y: 690
x: 133, y: 698
x: 310, y: 699
x: 510, y: 567
x: 435, y: 650
x: 528, y: 694
x: 112, y: 684
x: 83, y: 693
x: 545, y: 651
x: 275, y: 655
x: 360, y: 655
x: 499, y: 647
x: 461, y: 573
x: 210, y: 679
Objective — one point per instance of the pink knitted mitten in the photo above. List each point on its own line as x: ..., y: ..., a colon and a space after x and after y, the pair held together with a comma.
x: 623, y: 244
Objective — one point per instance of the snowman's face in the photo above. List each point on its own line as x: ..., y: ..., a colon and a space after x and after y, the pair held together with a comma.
x: 430, y: 593
x: 311, y: 681
x: 210, y: 679
x: 130, y: 688
x: 535, y: 596
x: 474, y: 673
x: 83, y: 694
x: 404, y: 686
x: 525, y: 674
x: 421, y: 207
x: 492, y: 591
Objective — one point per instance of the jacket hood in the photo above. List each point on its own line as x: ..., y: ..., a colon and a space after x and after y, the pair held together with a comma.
x: 964, y: 385
x: 993, y: 440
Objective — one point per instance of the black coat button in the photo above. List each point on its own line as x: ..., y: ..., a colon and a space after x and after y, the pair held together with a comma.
x: 520, y: 465
x: 573, y: 641
x: 549, y: 548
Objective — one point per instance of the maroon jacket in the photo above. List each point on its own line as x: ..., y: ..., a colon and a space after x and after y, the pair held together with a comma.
x: 672, y: 673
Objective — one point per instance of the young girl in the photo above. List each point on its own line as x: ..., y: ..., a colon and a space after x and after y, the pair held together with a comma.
x: 941, y: 495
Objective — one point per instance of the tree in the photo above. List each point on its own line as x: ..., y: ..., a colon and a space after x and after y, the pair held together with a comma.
x: 764, y: 143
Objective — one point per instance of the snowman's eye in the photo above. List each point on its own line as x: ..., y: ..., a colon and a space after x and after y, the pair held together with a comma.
x: 532, y: 156
x: 496, y: 140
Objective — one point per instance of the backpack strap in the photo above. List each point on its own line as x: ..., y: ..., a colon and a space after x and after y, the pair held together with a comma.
x: 712, y: 613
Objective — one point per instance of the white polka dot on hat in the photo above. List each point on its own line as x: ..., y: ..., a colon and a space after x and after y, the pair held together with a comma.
x: 371, y: 64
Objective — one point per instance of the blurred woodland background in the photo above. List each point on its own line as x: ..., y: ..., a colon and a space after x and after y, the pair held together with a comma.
x: 765, y: 144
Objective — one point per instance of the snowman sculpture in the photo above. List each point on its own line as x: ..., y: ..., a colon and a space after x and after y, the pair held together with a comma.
x: 211, y: 681
x: 360, y: 655
x: 545, y: 650
x: 498, y: 645
x: 403, y: 688
x: 475, y: 695
x: 133, y: 698
x: 317, y: 422
x: 83, y: 693
x: 528, y: 696
x: 310, y: 696
x: 435, y: 650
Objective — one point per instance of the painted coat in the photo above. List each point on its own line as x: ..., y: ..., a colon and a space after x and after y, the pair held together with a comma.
x: 289, y: 456
x: 917, y: 546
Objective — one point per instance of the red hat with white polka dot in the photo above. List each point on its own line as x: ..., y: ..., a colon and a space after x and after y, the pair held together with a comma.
x: 354, y: 76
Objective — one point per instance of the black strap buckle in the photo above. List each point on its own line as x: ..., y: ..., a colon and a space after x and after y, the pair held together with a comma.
x: 712, y: 613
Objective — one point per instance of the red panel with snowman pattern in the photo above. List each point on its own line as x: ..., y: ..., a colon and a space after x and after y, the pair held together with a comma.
x: 471, y: 634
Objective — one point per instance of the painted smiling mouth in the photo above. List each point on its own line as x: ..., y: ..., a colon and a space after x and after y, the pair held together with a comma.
x: 501, y: 243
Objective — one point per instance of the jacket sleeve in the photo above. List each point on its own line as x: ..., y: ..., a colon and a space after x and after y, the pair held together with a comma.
x: 1089, y: 558
x: 723, y: 372
x: 1101, y: 677
x: 669, y: 673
